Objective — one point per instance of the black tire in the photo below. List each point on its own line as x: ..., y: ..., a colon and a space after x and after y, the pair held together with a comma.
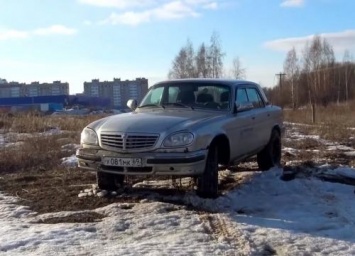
x: 207, y: 183
x: 109, y: 181
x: 270, y: 156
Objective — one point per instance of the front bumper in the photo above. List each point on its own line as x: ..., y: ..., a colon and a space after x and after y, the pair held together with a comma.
x: 153, y: 163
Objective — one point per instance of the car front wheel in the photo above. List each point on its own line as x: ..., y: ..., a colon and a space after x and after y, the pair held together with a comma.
x: 207, y: 183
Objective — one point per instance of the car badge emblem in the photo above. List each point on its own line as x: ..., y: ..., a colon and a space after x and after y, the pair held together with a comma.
x: 124, y: 139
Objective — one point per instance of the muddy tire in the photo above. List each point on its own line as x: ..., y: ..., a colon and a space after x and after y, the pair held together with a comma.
x: 109, y: 181
x: 270, y: 156
x: 207, y: 183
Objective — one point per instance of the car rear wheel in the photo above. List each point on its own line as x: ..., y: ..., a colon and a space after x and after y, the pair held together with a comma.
x: 270, y: 156
x: 109, y: 181
x: 207, y: 183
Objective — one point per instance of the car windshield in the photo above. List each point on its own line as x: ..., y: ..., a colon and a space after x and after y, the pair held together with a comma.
x: 188, y: 95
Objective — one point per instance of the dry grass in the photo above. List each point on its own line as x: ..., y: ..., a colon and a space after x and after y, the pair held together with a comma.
x: 41, y: 153
x: 38, y: 151
x: 333, y: 122
x: 332, y: 114
x: 30, y: 123
x: 31, y: 170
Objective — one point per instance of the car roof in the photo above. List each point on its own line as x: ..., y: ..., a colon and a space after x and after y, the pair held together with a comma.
x: 230, y: 82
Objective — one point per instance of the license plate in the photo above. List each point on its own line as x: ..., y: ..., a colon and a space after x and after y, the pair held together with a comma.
x: 122, y: 162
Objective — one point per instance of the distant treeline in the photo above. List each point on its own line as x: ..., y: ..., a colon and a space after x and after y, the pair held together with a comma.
x: 314, y: 77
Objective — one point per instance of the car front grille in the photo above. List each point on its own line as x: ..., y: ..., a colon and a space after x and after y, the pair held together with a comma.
x: 129, y: 141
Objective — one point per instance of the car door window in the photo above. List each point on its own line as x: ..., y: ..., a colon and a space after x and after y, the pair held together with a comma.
x: 242, y: 97
x: 172, y: 94
x: 254, y: 98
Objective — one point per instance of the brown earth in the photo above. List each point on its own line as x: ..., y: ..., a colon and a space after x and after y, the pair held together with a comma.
x: 55, y: 189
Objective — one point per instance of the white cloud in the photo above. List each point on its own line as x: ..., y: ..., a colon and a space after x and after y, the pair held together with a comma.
x: 205, y: 4
x: 55, y: 30
x: 13, y: 34
x: 126, y: 4
x: 211, y: 6
x: 128, y: 18
x: 292, y: 3
x: 21, y: 34
x: 174, y: 10
x: 168, y: 11
x: 120, y: 4
x: 339, y: 40
x: 135, y: 12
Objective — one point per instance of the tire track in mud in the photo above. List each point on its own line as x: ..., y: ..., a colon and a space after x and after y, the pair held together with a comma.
x: 222, y: 231
x: 217, y: 225
x: 222, y: 227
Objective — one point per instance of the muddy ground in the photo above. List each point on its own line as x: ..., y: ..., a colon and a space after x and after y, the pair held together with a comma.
x: 57, y: 189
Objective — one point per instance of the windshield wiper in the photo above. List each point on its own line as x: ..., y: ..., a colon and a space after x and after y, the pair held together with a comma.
x: 178, y: 104
x: 151, y: 105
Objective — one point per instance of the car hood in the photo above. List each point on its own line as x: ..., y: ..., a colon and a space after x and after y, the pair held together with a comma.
x: 153, y: 122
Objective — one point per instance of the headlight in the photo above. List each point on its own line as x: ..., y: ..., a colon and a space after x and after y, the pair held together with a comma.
x: 178, y: 139
x: 88, y: 136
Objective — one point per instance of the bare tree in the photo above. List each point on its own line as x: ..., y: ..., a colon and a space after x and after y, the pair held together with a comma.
x: 216, y: 56
x: 292, y: 68
x: 328, y: 62
x: 208, y: 62
x: 190, y: 59
x: 347, y: 60
x: 237, y: 71
x: 203, y: 65
x: 318, y: 57
x: 183, y: 64
x: 179, y: 69
x: 308, y: 66
x: 320, y: 79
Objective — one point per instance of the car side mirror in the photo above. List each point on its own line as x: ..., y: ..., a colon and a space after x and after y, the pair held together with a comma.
x: 132, y: 104
x: 244, y: 106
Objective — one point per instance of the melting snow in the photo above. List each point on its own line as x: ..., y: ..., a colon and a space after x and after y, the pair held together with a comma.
x: 2, y: 141
x: 302, y: 216
x: 263, y: 215
x: 70, y: 161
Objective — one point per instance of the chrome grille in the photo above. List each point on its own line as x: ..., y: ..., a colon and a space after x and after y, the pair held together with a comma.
x: 112, y: 140
x: 140, y: 141
x: 129, y: 141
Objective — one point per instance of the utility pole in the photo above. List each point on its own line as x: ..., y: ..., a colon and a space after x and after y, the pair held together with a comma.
x: 280, y: 79
x: 280, y: 75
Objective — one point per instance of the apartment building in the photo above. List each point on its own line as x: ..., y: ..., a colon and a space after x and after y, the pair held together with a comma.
x: 34, y: 89
x: 118, y: 91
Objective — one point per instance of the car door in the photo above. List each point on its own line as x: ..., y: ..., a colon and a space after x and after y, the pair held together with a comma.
x: 260, y: 119
x: 240, y: 128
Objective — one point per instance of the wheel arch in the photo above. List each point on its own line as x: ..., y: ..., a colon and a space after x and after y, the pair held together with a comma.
x: 223, y: 145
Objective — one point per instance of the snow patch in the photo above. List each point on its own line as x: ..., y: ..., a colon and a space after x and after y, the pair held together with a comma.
x: 70, y: 161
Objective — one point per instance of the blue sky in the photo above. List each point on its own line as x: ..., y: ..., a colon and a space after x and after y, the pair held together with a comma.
x: 78, y: 40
